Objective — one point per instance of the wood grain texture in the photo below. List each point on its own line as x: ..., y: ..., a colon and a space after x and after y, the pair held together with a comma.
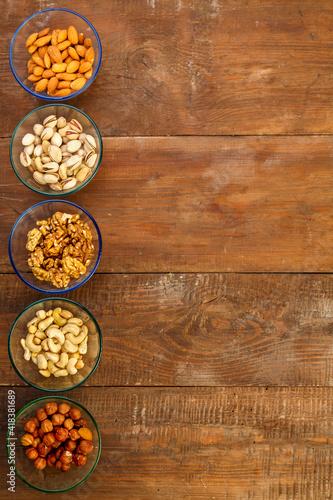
x: 186, y: 67
x: 205, y: 443
x: 200, y: 329
x: 202, y: 204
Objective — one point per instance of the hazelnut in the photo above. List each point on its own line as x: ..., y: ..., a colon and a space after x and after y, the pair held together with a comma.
x: 46, y: 426
x: 61, y: 434
x: 51, y: 460
x: 31, y: 453
x: 27, y: 439
x: 56, y: 444
x: 75, y: 414
x: 81, y: 422
x: 35, y: 433
x: 74, y: 435
x: 41, y: 433
x: 68, y: 424
x: 85, y: 433
x: 70, y: 445
x: 49, y: 439
x: 41, y: 414
x: 57, y: 419
x: 58, y: 464
x: 85, y: 447
x: 43, y: 450
x: 79, y: 459
x: 58, y: 452
x: 66, y: 457
x: 65, y: 467
x: 30, y: 426
x: 64, y: 408
x: 40, y: 463
x: 36, y: 442
x: 51, y: 408
x: 37, y: 422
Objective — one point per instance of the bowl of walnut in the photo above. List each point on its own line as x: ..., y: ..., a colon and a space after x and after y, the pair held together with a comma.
x: 55, y: 344
x: 57, y: 444
x: 55, y: 246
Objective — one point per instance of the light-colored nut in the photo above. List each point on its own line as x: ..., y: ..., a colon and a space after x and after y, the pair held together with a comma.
x: 41, y: 361
x: 75, y: 321
x: 68, y: 183
x: 55, y: 333
x: 27, y: 352
x: 37, y: 341
x: 76, y: 126
x: 41, y: 314
x: 73, y: 146
x: 40, y: 335
x: 52, y: 367
x: 51, y: 178
x: 45, y: 323
x: 32, y: 329
x: 28, y: 139
x: 69, y: 347
x: 50, y: 121
x: 71, y: 366
x: 53, y: 347
x: 66, y: 314
x: 38, y: 129
x: 79, y: 364
x: 34, y: 357
x: 61, y: 373
x: 83, y: 347
x: 45, y: 345
x: 50, y: 167
x: 29, y: 149
x: 45, y: 373
x: 71, y: 328
x: 31, y: 345
x: 39, y: 177
x: 38, y: 151
x: 56, y: 186
x: 76, y: 339
x: 25, y: 159
x: 52, y: 356
x: 90, y: 159
x: 62, y: 363
x: 90, y: 141
x: 55, y: 153
x: 58, y: 320
x: 56, y: 139
x: 61, y: 122
x: 47, y: 133
x: 82, y: 174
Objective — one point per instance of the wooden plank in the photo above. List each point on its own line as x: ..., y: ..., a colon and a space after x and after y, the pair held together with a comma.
x: 187, y: 67
x: 205, y: 443
x: 242, y: 204
x: 200, y: 329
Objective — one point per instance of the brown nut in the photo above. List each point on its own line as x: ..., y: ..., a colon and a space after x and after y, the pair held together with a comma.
x: 74, y: 435
x: 75, y: 414
x: 49, y: 439
x: 41, y: 414
x: 41, y: 433
x: 64, y: 408
x: 85, y: 433
x: 40, y: 463
x: 56, y: 444
x: 59, y: 451
x: 81, y: 422
x: 85, y: 447
x: 43, y: 450
x: 51, y: 460
x: 51, y: 408
x: 58, y: 464
x: 66, y: 457
x: 46, y: 426
x: 70, y: 445
x: 65, y: 467
x: 68, y: 424
x: 37, y: 422
x: 61, y: 434
x: 30, y: 426
x: 57, y: 419
x: 31, y: 453
x: 79, y: 459
x: 27, y: 439
x: 35, y: 433
x: 36, y: 442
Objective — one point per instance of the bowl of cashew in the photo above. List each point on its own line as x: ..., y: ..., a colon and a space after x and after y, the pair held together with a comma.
x: 55, y: 344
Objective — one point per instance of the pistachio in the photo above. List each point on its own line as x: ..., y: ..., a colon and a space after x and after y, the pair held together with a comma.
x: 62, y: 131
x: 45, y: 158
x: 74, y: 161
x: 82, y: 174
x: 56, y: 139
x: 90, y: 141
x: 37, y: 140
x: 69, y: 183
x: 51, y: 178
x: 61, y: 123
x: 28, y: 139
x: 50, y: 121
x: 71, y: 134
x: 76, y: 126
x: 90, y: 159
x: 74, y: 145
x: 56, y: 186
x: 63, y: 171
x: 39, y: 164
x: 47, y: 133
x: 45, y: 145
x: 55, y: 154
x: 25, y: 159
x: 38, y: 150
x: 51, y: 167
x: 30, y: 149
x: 39, y: 177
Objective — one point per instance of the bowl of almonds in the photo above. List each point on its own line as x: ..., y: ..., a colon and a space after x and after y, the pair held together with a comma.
x: 57, y: 444
x: 55, y: 54
x: 55, y: 246
x: 56, y: 150
x: 55, y: 344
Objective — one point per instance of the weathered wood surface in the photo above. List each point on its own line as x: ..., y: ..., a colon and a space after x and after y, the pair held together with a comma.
x: 202, y: 204
x: 183, y: 67
x: 205, y: 443
x: 200, y: 329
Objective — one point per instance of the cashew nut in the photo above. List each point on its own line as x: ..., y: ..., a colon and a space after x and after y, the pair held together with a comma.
x: 32, y: 329
x: 70, y: 328
x: 75, y: 321
x: 61, y: 373
x: 76, y: 340
x: 66, y: 314
x: 71, y: 366
x: 57, y: 318
x: 32, y: 322
x: 52, y: 356
x: 45, y: 373
x: 69, y: 347
x: 84, y: 329
x: 41, y: 362
x: 42, y: 325
x: 31, y: 345
x: 51, y: 367
x: 27, y: 353
x: 83, y: 346
x: 40, y: 335
x: 45, y: 345
x: 41, y: 314
x: 55, y: 333
x: 53, y: 347
x: 79, y: 364
x: 34, y: 357
x: 37, y: 341
x: 75, y: 355
x: 63, y: 360
x: 49, y: 313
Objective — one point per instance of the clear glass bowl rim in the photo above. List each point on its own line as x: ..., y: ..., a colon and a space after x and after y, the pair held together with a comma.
x: 58, y: 391
x: 65, y: 290
x: 55, y: 193
x: 50, y: 98
x: 40, y: 400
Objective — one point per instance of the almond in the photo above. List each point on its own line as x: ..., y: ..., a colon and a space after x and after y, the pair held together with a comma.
x: 90, y: 55
x: 63, y: 85
x: 35, y: 57
x: 84, y: 67
x: 54, y: 39
x: 68, y: 60
x: 81, y: 38
x: 81, y: 50
x: 63, y: 45
x: 32, y: 49
x: 59, y: 67
x: 88, y: 74
x: 44, y: 32
x: 31, y: 68
x: 34, y: 78
x: 54, y: 52
x: 52, y: 85
x: 87, y: 43
x: 72, y: 35
x: 73, y: 67
x: 63, y: 92
x: 78, y: 83
x: 66, y: 76
x: 64, y: 54
x: 48, y: 73
x: 41, y: 85
x: 85, y: 433
x: 72, y: 52
x: 47, y: 61
x: 42, y: 51
x: 43, y: 40
x: 38, y: 70
x: 31, y: 39
x: 62, y: 36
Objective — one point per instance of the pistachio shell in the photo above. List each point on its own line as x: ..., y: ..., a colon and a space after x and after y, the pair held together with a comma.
x: 90, y: 141
x: 69, y: 183
x: 50, y: 121
x: 90, y: 159
x: 45, y: 158
x: 39, y: 177
x: 55, y: 153
x: 39, y: 164
x: 56, y: 139
x: 74, y: 161
x: 61, y: 122
x: 45, y: 145
x: 56, y: 186
x: 73, y: 146
x: 51, y: 178
x: 75, y: 125
x: 62, y: 131
x: 71, y: 134
x: 25, y: 159
x: 37, y: 140
x: 63, y: 171
x: 47, y: 133
x: 28, y: 139
x: 82, y: 174
x: 38, y: 129
x: 50, y: 167
x: 38, y: 150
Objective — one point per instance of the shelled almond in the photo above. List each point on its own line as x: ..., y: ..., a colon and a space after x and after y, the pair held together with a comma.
x: 63, y: 55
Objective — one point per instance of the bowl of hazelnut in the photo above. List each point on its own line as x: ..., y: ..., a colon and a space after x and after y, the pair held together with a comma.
x: 55, y: 344
x: 58, y: 444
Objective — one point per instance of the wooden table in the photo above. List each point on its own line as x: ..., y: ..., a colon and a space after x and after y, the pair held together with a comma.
x: 214, y: 292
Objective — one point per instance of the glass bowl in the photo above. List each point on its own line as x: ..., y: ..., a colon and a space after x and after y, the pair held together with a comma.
x: 26, y: 126
x: 53, y: 18
x: 18, y: 253
x: 29, y: 372
x: 50, y: 479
